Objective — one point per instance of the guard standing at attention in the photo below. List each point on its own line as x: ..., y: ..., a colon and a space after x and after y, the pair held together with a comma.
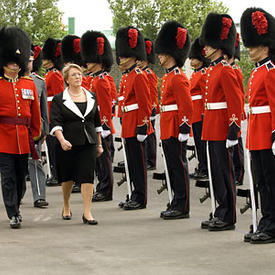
x: 172, y: 47
x: 258, y: 32
x: 222, y: 117
x: 97, y: 54
x: 52, y: 62
x: 197, y: 80
x: 20, y: 118
x: 151, y: 140
x: 137, y: 108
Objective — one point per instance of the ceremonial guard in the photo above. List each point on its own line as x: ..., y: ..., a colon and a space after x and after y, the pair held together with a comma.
x: 36, y: 171
x: 172, y: 47
x: 97, y: 54
x: 258, y: 32
x: 137, y: 108
x: 238, y: 152
x: 197, y: 80
x: 19, y: 118
x: 70, y: 53
x: 52, y: 62
x: 222, y: 117
x: 151, y: 140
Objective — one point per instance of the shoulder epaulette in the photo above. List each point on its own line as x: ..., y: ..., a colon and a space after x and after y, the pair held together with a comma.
x: 1, y: 77
x: 27, y: 77
x: 270, y: 66
x: 101, y: 76
x: 235, y: 67
x: 148, y: 71
x: 177, y: 71
x: 203, y: 71
x: 138, y: 71
x: 39, y: 77
x: 224, y: 63
x: 105, y: 73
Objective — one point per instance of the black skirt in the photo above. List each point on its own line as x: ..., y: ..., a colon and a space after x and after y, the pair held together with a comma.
x: 77, y: 164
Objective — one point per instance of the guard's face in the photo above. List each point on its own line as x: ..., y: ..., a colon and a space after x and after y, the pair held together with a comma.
x: 162, y: 59
x: 13, y: 66
x: 195, y: 63
x: 257, y: 54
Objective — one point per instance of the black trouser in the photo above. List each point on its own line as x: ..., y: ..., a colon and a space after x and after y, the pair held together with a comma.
x: 137, y: 169
x: 151, y: 147
x: 200, y: 147
x: 13, y: 168
x: 112, y: 148
x: 263, y: 164
x: 175, y: 155
x: 222, y: 171
x: 51, y: 144
x: 104, y: 169
x: 238, y: 160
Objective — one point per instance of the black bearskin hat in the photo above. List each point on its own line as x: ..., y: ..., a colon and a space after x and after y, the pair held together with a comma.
x: 37, y: 58
x: 173, y: 39
x: 219, y: 32
x: 150, y: 50
x: 15, y: 46
x: 237, y: 53
x: 52, y: 51
x: 130, y: 43
x: 70, y: 50
x: 257, y: 28
x: 197, y: 52
x: 96, y: 48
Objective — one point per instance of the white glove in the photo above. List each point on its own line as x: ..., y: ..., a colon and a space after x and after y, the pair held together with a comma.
x: 230, y: 143
x: 105, y: 133
x: 183, y: 137
x: 141, y: 138
x: 273, y: 148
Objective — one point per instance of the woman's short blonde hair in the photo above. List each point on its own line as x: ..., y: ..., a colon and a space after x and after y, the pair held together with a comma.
x: 67, y: 69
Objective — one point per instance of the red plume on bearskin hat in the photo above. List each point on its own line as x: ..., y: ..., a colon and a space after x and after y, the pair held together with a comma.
x: 219, y: 32
x: 150, y: 50
x: 237, y: 53
x: 197, y: 52
x: 130, y: 43
x: 96, y: 48
x: 15, y: 46
x: 257, y: 28
x: 52, y: 51
x: 37, y: 58
x: 173, y: 39
x: 70, y: 50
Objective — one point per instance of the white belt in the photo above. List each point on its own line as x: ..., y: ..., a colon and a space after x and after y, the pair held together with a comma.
x: 120, y: 98
x: 196, y: 97
x: 216, y: 106
x: 130, y: 108
x: 259, y: 110
x: 49, y: 98
x: 168, y: 108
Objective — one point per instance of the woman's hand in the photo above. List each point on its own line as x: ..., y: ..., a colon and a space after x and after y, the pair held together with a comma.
x: 66, y: 145
x: 99, y: 150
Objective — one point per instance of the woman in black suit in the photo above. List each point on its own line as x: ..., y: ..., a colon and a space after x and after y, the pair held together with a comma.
x: 75, y: 121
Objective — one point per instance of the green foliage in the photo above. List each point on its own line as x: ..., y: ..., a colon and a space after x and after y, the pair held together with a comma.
x: 149, y: 15
x: 39, y: 18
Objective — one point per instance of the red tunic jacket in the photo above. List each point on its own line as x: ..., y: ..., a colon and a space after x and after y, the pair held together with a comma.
x: 153, y: 85
x: 197, y: 81
x: 260, y: 92
x: 18, y: 100
x: 222, y: 86
x: 113, y: 92
x: 175, y: 89
x: 136, y: 91
x: 100, y: 85
x: 54, y: 85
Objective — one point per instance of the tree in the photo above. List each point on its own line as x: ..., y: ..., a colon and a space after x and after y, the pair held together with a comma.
x: 149, y: 15
x: 40, y: 19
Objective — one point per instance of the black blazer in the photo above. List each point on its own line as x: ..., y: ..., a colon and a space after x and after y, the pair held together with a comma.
x: 66, y: 116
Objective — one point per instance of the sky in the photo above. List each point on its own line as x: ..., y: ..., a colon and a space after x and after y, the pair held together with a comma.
x: 96, y: 15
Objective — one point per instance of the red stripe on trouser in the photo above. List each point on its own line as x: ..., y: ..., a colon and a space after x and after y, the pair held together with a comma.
x: 232, y: 187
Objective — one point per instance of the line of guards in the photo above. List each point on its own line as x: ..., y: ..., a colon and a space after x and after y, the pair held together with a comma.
x: 211, y: 102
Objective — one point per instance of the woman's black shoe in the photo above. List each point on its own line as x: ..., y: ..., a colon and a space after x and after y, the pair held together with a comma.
x: 91, y: 222
x: 67, y: 217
